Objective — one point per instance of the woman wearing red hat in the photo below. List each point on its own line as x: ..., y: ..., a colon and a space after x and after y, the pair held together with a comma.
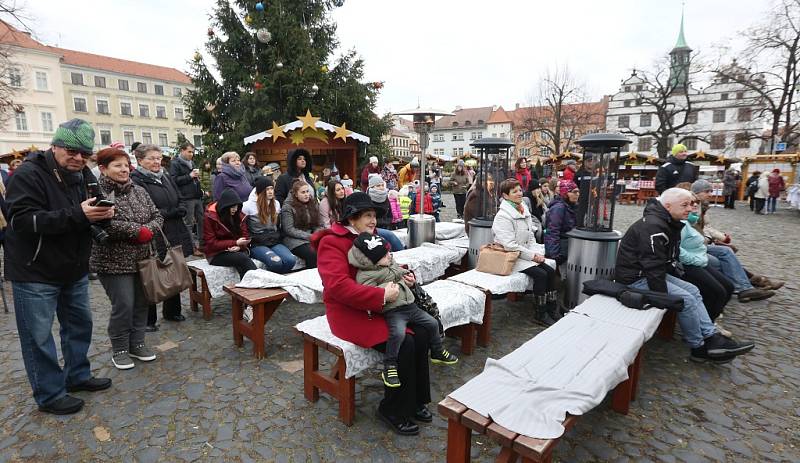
x: 776, y: 185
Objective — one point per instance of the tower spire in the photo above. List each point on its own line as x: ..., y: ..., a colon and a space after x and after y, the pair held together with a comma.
x: 681, y: 39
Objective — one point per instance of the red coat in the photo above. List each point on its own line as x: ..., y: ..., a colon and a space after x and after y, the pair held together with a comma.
x: 523, y: 176
x: 218, y: 237
x: 569, y: 174
x: 428, y: 204
x: 353, y: 309
x: 368, y: 169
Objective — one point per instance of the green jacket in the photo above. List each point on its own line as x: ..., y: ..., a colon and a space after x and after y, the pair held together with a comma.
x: 375, y: 275
x: 460, y: 183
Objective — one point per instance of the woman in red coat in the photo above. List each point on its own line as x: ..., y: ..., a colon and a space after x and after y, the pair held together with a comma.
x: 225, y: 234
x: 354, y: 314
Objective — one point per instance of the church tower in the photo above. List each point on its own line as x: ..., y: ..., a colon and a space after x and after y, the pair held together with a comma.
x: 679, y: 63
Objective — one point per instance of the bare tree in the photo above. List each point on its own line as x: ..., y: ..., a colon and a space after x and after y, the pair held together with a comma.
x: 769, y: 67
x: 558, y: 113
x: 8, y: 88
x: 669, y: 99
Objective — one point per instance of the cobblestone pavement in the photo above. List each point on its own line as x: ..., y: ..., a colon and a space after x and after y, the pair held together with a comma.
x: 205, y: 400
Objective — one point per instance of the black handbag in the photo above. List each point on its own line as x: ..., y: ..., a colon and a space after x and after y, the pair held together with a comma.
x: 424, y: 301
x: 634, y: 298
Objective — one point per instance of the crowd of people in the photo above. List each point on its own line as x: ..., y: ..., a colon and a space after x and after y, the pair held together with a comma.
x: 63, y: 221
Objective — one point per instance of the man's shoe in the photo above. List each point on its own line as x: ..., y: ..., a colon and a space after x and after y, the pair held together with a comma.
x: 719, y: 346
x: 66, y: 405
x: 423, y: 414
x: 122, y: 360
x: 92, y: 385
x: 762, y: 282
x: 754, y: 294
x: 175, y: 318
x: 142, y: 353
x: 401, y: 426
x: 443, y: 358
x: 151, y: 328
x: 700, y: 355
x: 390, y: 376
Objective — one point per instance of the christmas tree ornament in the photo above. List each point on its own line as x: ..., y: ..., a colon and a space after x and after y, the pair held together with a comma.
x: 259, y: 6
x: 342, y: 132
x: 324, y: 68
x: 210, y: 32
x: 258, y: 85
x: 279, y: 65
x: 276, y: 132
x: 309, y: 121
x: 197, y: 56
x: 314, y: 89
x: 221, y: 137
x: 263, y: 35
x: 248, y: 19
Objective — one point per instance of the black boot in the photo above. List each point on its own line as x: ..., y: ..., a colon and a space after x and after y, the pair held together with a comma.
x: 542, y: 316
x: 552, y: 305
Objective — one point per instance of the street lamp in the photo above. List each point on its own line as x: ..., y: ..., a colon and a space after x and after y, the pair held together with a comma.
x: 421, y: 227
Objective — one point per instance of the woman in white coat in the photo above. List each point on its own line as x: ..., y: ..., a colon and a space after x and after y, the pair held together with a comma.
x: 762, y: 193
x: 516, y: 230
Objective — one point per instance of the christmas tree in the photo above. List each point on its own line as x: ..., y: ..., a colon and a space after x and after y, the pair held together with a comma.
x: 272, y: 62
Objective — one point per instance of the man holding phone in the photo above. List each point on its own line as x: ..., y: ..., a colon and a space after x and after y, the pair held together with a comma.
x: 187, y: 177
x: 47, y: 261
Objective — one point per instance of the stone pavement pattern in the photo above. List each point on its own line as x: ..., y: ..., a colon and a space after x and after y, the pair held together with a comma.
x: 205, y: 400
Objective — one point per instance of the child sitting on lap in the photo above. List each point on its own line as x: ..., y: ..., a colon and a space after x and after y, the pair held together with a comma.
x: 376, y: 267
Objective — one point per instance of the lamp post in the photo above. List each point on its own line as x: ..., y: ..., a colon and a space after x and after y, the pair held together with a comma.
x: 421, y: 227
x: 593, y: 243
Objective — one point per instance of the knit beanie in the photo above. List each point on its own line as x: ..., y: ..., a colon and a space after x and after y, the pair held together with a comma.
x: 262, y: 183
x: 373, y: 246
x: 75, y: 134
x: 679, y: 148
x: 700, y: 186
x: 373, y: 159
x: 565, y: 186
x: 374, y: 180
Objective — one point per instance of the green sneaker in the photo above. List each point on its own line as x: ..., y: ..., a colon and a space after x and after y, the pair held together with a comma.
x: 390, y: 376
x: 443, y: 357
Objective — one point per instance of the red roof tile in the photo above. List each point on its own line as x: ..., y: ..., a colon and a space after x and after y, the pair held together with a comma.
x: 499, y: 117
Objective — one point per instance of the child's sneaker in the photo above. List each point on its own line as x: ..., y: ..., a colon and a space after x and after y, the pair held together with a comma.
x: 390, y: 376
x: 443, y: 357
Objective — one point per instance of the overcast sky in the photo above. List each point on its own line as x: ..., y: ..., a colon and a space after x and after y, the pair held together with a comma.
x: 444, y: 52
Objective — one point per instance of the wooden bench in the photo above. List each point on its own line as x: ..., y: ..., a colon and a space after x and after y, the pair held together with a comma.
x: 264, y: 303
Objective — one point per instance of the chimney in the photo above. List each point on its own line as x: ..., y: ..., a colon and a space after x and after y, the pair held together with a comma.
x: 517, y: 106
x: 458, y: 108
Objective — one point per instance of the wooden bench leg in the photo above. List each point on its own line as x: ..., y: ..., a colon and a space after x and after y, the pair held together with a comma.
x: 193, y: 292
x: 667, y: 326
x: 310, y: 368
x: 205, y: 302
x: 623, y: 393
x: 637, y: 365
x: 485, y: 330
x: 467, y: 338
x: 346, y: 393
x: 237, y: 312
x: 506, y: 455
x: 459, y: 439
x: 257, y: 331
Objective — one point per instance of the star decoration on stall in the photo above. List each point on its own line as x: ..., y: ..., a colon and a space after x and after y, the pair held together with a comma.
x: 633, y: 156
x: 276, y: 131
x: 297, y: 137
x: 342, y: 132
x: 309, y: 121
x: 700, y: 154
x: 319, y: 135
x: 553, y: 157
x: 721, y: 158
x: 652, y: 158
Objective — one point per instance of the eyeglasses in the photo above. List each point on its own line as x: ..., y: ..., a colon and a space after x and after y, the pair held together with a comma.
x: 149, y: 158
x: 75, y: 153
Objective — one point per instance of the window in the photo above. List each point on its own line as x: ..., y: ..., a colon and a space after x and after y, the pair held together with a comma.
x: 718, y: 141
x: 645, y: 143
x: 628, y: 103
x: 502, y: 135
x: 15, y: 77
x: 179, y: 114
x: 638, y: 102
x: 745, y: 114
x: 176, y: 91
x: 458, y: 151
x: 144, y: 110
x: 739, y: 95
x: 105, y: 137
x: 670, y: 142
x: 21, y: 120
x: 102, y: 107
x: 159, y: 89
x: 438, y: 137
x: 459, y: 136
x: 467, y: 123
x: 690, y: 144
x: 545, y: 150
x: 162, y: 139
x: 480, y: 135
x: 691, y: 117
x: 494, y: 135
x: 627, y: 88
x: 41, y: 80
x: 725, y: 79
x: 525, y: 136
x: 141, y: 87
x: 125, y: 109
x: 723, y: 96
x: 77, y: 78
x: 47, y: 122
x: 624, y: 121
x: 161, y: 112
x: 742, y: 140
x: 455, y: 137
x: 147, y: 138
x: 128, y: 137
x: 719, y: 115
x: 80, y: 104
x: 645, y: 120
x: 639, y: 87
x: 99, y: 81
x: 480, y: 121
x: 123, y: 84
x: 455, y: 123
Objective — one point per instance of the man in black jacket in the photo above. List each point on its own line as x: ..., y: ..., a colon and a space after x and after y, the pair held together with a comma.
x: 298, y: 166
x: 647, y: 259
x: 48, y: 242
x: 676, y: 170
x: 182, y: 170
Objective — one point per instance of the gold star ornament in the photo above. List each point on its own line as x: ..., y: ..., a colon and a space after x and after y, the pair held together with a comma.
x: 342, y: 132
x: 297, y: 137
x: 276, y: 131
x: 309, y: 121
x: 633, y: 156
x: 701, y: 154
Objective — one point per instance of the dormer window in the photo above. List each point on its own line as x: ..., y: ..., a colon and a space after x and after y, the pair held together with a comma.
x: 480, y: 121
x: 455, y: 124
x: 627, y: 88
x: 467, y: 123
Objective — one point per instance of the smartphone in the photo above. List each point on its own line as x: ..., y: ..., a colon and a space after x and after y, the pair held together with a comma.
x: 104, y: 203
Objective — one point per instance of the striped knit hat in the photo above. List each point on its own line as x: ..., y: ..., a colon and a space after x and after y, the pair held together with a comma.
x: 75, y: 134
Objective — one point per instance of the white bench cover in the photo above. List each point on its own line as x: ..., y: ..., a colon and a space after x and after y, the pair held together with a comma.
x: 217, y: 276
x: 514, y: 283
x: 304, y: 286
x: 356, y: 358
x: 429, y: 261
x: 567, y: 368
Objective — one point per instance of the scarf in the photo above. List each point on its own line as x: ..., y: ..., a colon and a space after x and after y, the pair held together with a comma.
x: 232, y: 171
x: 183, y: 161
x: 114, y: 187
x: 517, y: 206
x: 377, y: 196
x: 157, y: 176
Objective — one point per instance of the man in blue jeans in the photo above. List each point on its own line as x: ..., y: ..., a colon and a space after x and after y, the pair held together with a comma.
x: 646, y: 260
x: 47, y: 261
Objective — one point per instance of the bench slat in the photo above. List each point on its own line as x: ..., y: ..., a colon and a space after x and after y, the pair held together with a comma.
x: 475, y: 421
x: 501, y: 435
x: 451, y: 409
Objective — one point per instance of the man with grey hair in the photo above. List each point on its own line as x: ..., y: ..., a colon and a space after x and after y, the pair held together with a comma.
x: 648, y: 259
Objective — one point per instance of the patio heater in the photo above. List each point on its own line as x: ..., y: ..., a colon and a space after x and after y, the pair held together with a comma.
x: 493, y: 168
x: 593, y: 242
x: 422, y: 227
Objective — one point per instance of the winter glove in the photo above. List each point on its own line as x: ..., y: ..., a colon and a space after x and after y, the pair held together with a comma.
x: 144, y: 236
